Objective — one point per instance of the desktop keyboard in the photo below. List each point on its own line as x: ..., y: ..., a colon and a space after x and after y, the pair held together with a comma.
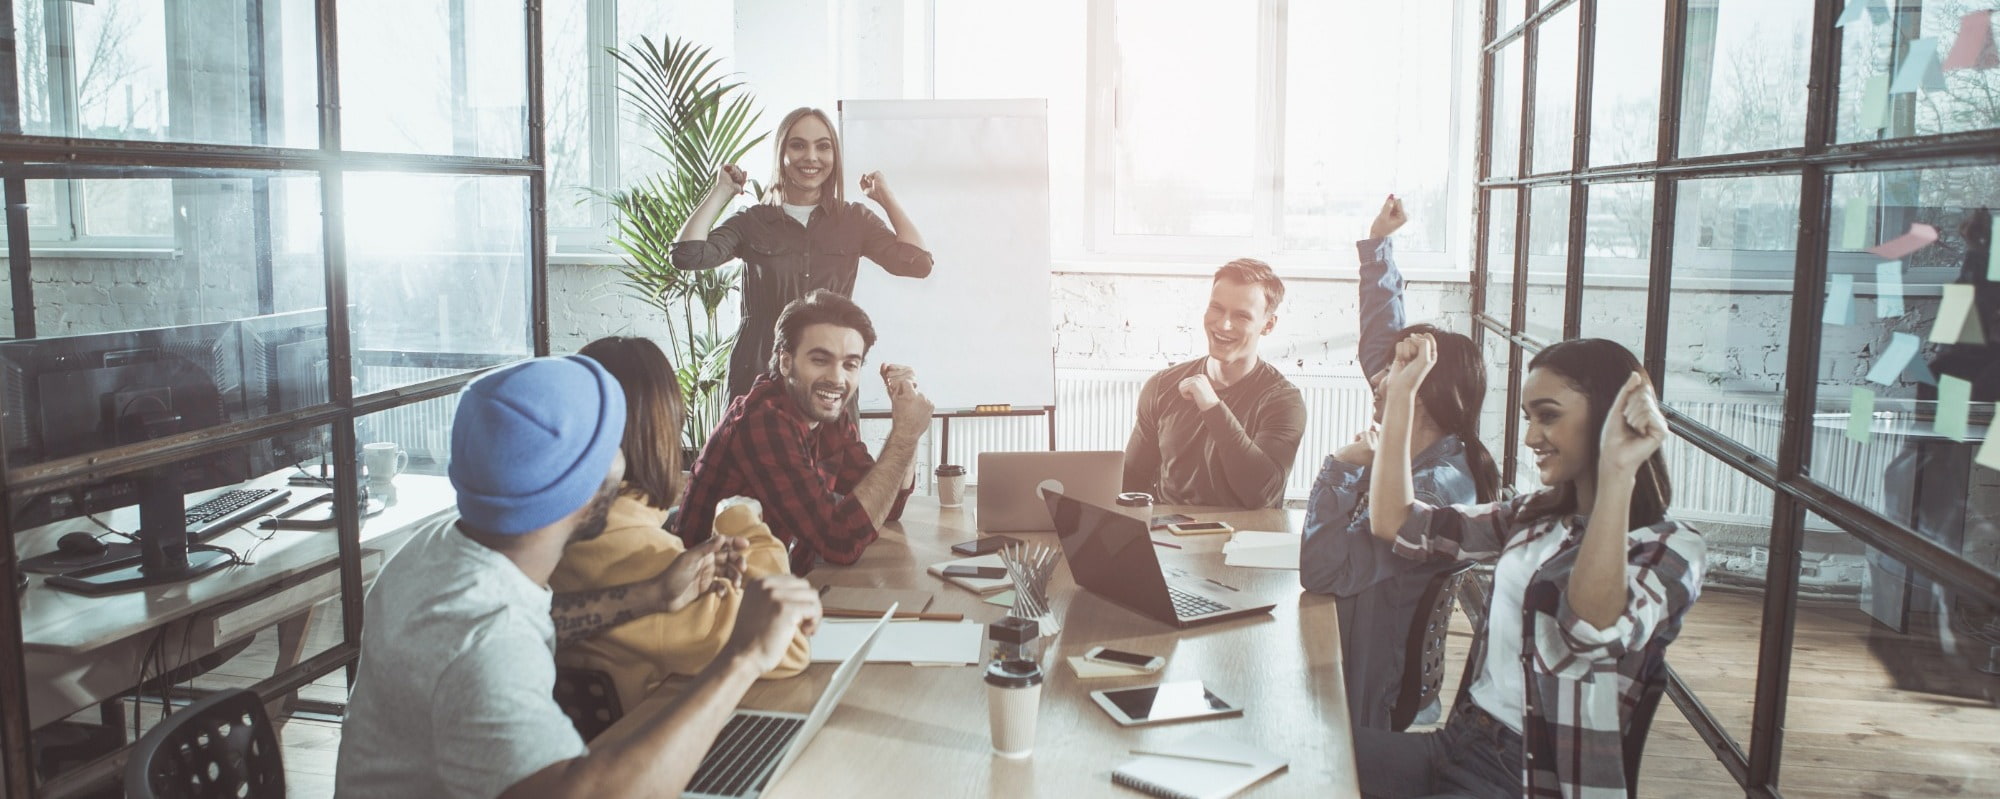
x: 232, y: 509
x: 1188, y: 605
x: 744, y: 754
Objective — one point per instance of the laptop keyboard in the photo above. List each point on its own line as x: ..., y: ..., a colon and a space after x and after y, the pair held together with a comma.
x: 1188, y: 605
x: 743, y: 755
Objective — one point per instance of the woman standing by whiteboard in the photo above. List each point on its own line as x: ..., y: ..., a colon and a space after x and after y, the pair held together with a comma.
x: 804, y: 236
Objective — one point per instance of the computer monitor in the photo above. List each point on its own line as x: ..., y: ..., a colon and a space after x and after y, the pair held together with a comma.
x: 73, y: 395
x: 285, y: 359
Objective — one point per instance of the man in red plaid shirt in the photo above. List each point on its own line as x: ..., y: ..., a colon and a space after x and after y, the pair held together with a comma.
x: 791, y: 445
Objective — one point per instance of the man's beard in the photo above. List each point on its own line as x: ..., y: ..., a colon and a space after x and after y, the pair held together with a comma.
x: 596, y: 518
x: 804, y: 395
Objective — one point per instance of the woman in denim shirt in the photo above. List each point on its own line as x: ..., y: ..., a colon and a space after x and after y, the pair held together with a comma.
x: 804, y: 236
x: 1379, y: 591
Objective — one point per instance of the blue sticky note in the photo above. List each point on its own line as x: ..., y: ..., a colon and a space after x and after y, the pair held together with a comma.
x: 1889, y: 365
x: 1839, y: 301
x: 1861, y: 414
x: 1989, y: 452
x: 1954, y: 406
x: 1853, y: 12
x: 1921, y: 70
x: 1854, y: 225
x: 1889, y: 289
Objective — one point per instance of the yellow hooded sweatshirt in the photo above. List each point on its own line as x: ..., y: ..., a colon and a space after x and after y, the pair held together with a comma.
x: 642, y: 653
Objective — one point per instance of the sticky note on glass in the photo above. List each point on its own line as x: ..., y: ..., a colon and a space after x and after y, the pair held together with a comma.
x: 1958, y: 318
x: 1974, y: 47
x: 1919, y: 237
x: 1921, y: 70
x: 1839, y: 301
x: 1874, y: 108
x: 1889, y: 289
x: 1861, y: 414
x: 1855, y: 10
x: 1954, y: 406
x: 1993, y: 253
x: 1890, y: 364
x: 1989, y: 452
x: 1854, y: 225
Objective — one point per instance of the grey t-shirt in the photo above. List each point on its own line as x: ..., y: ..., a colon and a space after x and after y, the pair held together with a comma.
x: 454, y: 693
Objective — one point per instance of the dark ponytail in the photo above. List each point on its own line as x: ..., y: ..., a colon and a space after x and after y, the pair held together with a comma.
x: 1453, y: 395
x: 1598, y: 368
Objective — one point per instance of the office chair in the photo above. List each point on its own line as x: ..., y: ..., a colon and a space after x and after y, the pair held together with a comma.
x: 1423, y: 648
x: 589, y: 699
x: 223, y: 745
x: 1655, y: 679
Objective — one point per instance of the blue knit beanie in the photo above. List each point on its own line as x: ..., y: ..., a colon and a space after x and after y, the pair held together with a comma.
x: 534, y: 442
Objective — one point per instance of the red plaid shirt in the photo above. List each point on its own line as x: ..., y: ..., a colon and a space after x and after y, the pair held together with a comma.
x: 765, y: 448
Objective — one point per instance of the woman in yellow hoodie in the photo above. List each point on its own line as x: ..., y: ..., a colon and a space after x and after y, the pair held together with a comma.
x: 635, y: 546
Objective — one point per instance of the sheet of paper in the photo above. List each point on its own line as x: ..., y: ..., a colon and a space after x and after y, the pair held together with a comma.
x: 1854, y: 225
x: 1874, y: 112
x: 1894, y: 358
x: 1004, y: 599
x: 1250, y: 539
x: 1954, y: 406
x: 1860, y: 417
x: 1974, y: 47
x: 1889, y: 289
x: 1839, y: 301
x: 901, y: 641
x: 1855, y: 11
x: 1989, y: 452
x: 1263, y: 558
x: 874, y: 600
x: 1092, y: 670
x: 1921, y: 70
x: 1958, y: 317
x: 1919, y: 237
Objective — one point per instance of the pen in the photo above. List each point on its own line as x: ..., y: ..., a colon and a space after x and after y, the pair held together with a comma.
x: 1219, y: 584
x: 1167, y: 544
x: 1203, y: 758
x: 838, y: 613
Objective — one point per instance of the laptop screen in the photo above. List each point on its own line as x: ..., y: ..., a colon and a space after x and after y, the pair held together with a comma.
x: 1110, y: 553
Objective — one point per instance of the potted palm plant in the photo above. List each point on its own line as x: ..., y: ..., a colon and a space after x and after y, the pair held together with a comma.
x: 700, y: 120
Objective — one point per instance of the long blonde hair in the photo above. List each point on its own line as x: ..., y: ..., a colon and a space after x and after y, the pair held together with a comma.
x: 836, y: 181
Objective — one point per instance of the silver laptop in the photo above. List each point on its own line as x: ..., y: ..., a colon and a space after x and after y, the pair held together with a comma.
x: 1010, y: 482
x: 1111, y: 555
x: 756, y: 746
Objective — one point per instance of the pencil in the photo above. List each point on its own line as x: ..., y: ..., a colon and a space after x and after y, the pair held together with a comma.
x: 1203, y: 758
x: 1167, y: 544
x: 837, y: 613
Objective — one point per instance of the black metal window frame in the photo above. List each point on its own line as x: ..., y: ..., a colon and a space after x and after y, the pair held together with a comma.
x: 1816, y: 160
x: 24, y: 157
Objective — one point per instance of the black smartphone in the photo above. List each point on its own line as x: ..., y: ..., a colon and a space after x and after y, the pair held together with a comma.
x: 981, y: 546
x: 1161, y: 522
x: 980, y: 572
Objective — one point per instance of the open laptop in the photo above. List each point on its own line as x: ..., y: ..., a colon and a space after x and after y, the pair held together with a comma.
x: 1111, y: 554
x: 1009, y: 485
x: 756, y: 746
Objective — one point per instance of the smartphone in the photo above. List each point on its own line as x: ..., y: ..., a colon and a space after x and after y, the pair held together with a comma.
x: 1152, y: 704
x: 981, y: 546
x: 1200, y: 528
x: 1130, y: 660
x: 980, y: 572
x: 1161, y: 522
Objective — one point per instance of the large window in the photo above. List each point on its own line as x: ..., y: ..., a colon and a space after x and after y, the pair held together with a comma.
x: 1798, y: 263
x: 1271, y: 127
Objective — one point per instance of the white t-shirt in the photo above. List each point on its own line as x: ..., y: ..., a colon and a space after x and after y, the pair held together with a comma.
x: 803, y: 213
x: 453, y: 697
x: 1500, y: 689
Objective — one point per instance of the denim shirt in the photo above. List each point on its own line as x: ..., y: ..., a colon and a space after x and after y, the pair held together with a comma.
x: 1338, y: 553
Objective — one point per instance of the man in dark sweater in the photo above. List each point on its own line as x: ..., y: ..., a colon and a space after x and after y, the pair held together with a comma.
x: 1221, y: 429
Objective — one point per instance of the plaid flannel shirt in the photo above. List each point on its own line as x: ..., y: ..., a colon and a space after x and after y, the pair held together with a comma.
x: 1582, y: 680
x: 766, y: 448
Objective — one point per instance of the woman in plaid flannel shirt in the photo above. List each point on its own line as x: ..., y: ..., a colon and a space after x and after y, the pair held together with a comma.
x: 1591, y: 581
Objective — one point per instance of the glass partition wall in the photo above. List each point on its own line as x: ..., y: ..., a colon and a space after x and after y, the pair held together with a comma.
x: 243, y: 239
x: 1785, y: 207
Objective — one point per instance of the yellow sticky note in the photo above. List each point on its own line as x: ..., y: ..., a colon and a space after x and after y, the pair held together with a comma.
x: 1861, y: 415
x: 1854, y: 226
x: 1958, y: 318
x: 1989, y: 452
x: 1874, y: 110
x: 1954, y: 406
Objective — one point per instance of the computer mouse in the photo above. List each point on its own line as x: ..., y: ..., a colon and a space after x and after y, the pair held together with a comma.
x: 83, y: 545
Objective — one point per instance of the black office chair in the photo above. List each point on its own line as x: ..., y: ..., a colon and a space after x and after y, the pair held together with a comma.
x: 1655, y: 682
x: 223, y: 745
x: 1423, y: 648
x: 589, y: 698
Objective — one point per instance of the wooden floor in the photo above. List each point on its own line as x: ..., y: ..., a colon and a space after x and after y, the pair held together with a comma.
x: 1850, y: 733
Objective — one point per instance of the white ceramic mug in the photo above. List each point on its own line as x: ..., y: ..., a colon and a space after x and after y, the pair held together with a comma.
x: 384, y: 460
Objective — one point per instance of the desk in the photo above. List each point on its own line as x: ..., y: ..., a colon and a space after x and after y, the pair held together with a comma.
x: 82, y: 650
x: 922, y: 731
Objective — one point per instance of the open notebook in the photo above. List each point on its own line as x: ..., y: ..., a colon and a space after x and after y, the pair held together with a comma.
x: 1177, y: 777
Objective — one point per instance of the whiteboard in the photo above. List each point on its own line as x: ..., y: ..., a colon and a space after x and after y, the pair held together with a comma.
x: 973, y: 175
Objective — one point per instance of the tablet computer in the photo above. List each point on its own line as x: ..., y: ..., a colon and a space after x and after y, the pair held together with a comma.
x: 1152, y: 704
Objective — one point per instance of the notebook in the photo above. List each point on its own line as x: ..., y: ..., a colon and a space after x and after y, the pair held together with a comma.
x: 1262, y: 550
x: 873, y: 600
x: 954, y: 642
x: 1176, y: 777
x: 976, y: 585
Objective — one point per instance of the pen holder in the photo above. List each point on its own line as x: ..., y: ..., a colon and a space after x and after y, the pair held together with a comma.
x: 1029, y: 567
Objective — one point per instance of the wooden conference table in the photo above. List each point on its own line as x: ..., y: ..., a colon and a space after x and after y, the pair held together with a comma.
x: 922, y: 730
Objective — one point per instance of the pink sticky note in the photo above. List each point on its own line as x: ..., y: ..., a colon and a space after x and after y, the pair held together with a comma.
x: 1919, y: 237
x: 1974, y: 48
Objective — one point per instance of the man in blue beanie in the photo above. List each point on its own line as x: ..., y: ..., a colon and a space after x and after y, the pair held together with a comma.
x: 453, y: 696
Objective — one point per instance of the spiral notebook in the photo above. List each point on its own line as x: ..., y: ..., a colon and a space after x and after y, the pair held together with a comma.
x: 1177, y: 777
